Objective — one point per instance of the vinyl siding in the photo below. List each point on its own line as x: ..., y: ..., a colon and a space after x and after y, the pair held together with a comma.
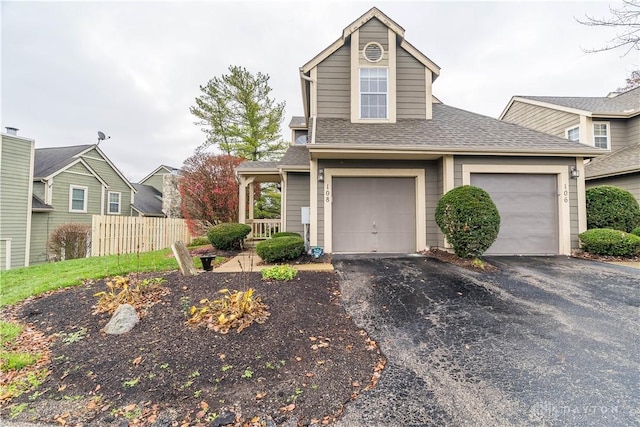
x: 549, y: 161
x: 38, y: 189
x: 542, y: 119
x: 40, y: 230
x: 432, y: 187
x: 633, y: 130
x: 629, y: 182
x: 155, y: 180
x: 297, y: 197
x: 113, y: 180
x: 374, y: 31
x: 334, y: 80
x: 410, y: 87
x: 618, y: 137
x: 16, y: 175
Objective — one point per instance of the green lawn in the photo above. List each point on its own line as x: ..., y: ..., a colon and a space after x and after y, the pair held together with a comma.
x: 20, y: 283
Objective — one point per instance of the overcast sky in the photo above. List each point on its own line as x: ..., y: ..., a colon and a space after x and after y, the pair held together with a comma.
x: 133, y: 69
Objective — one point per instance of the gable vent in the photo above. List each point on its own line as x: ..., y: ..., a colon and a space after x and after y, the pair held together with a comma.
x: 373, y: 52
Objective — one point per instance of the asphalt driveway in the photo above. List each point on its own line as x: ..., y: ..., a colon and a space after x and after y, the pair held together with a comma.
x: 547, y: 341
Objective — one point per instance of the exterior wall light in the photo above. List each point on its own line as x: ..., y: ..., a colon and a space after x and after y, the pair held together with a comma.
x: 575, y: 173
x: 320, y: 175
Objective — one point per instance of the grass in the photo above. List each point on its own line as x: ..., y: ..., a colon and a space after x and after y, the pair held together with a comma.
x: 20, y: 283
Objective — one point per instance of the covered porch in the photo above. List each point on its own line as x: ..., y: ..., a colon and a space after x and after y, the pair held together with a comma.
x: 250, y: 176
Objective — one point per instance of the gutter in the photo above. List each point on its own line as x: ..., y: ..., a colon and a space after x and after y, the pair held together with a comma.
x: 313, y: 117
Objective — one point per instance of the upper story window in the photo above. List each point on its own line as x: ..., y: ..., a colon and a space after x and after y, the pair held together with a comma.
x: 373, y: 93
x: 78, y: 199
x: 573, y: 134
x: 114, y: 203
x: 601, y: 135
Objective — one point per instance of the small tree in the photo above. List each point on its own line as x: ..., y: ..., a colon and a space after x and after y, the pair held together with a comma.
x: 209, y: 191
x: 612, y: 207
x: 70, y: 241
x: 469, y: 219
x: 239, y: 116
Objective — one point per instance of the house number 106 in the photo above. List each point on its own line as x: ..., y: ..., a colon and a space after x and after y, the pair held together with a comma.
x: 565, y: 194
x: 327, y: 194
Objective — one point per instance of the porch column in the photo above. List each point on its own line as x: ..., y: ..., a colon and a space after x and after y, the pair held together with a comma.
x: 242, y: 200
x: 251, y: 199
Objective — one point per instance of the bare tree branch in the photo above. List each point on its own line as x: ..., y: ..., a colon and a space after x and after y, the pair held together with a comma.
x: 625, y: 18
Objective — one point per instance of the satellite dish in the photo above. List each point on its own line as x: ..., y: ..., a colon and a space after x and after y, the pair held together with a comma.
x: 102, y: 137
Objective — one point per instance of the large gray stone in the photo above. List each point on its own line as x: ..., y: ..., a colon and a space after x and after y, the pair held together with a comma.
x: 122, y: 321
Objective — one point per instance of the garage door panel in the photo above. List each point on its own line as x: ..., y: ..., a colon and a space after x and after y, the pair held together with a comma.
x: 373, y: 214
x: 528, y: 206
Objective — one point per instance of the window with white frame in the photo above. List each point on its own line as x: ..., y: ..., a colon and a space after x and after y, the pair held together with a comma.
x: 373, y: 93
x: 573, y: 134
x: 78, y: 199
x: 114, y: 203
x: 601, y: 135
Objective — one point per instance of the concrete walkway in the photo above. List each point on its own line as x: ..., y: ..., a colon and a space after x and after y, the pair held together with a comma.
x: 250, y: 261
x: 634, y: 264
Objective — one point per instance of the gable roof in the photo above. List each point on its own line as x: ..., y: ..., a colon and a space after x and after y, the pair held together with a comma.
x: 625, y: 160
x: 626, y: 104
x: 168, y: 169
x: 49, y: 160
x: 451, y: 130
x: 295, y: 158
x: 148, y: 200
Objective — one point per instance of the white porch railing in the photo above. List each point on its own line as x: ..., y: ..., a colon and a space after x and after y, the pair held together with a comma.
x: 262, y: 229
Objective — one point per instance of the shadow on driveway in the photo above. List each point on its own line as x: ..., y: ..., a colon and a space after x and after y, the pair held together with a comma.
x: 544, y: 341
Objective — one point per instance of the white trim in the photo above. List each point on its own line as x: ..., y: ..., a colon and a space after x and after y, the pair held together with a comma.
x: 364, y: 52
x: 411, y: 50
x: 355, y: 77
x: 330, y: 173
x: 109, y: 202
x: 428, y: 76
x: 72, y: 164
x: 313, y: 92
x: 582, y: 198
x: 85, y: 200
x: 608, y: 127
x: 102, y: 199
x: 7, y: 252
x: 386, y: 95
x: 564, y: 206
x: 155, y: 172
x: 544, y: 104
x: 570, y: 128
x: 392, y: 77
x: 284, y: 179
x: 313, y: 205
x: 27, y: 243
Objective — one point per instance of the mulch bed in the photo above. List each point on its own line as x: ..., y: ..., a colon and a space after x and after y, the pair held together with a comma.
x: 304, y: 363
x: 605, y: 258
x: 469, y: 264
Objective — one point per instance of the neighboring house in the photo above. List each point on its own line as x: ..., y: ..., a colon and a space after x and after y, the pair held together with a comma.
x: 16, y: 182
x: 380, y: 150
x: 71, y: 184
x: 157, y: 194
x: 609, y: 122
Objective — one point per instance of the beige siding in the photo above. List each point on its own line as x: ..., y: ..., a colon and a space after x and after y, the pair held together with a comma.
x: 334, y: 80
x: 549, y: 161
x: 410, y: 86
x: 16, y: 175
x: 629, y: 182
x: 113, y: 180
x: 374, y: 31
x: 542, y: 119
x: 618, y: 138
x: 633, y: 130
x: 297, y: 197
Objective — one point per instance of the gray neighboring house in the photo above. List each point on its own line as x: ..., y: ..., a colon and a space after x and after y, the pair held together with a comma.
x: 375, y: 150
x: 71, y: 184
x: 16, y: 186
x: 609, y: 122
x: 157, y: 194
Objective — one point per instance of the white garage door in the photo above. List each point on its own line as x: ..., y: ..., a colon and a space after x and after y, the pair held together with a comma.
x: 528, y: 206
x: 374, y: 214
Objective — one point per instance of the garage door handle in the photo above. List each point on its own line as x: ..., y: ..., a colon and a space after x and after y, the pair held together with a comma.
x: 374, y: 228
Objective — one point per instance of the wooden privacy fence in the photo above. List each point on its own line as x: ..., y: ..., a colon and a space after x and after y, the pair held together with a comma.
x: 126, y: 234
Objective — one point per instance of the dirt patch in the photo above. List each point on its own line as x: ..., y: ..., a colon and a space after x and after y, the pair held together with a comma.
x: 302, y: 365
x: 469, y: 264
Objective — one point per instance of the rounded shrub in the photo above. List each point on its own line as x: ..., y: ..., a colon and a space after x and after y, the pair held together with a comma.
x: 284, y: 234
x: 636, y: 231
x: 228, y: 236
x: 280, y: 248
x: 612, y: 207
x: 606, y: 241
x: 469, y: 219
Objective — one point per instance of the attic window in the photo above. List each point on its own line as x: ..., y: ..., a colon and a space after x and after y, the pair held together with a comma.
x: 373, y: 52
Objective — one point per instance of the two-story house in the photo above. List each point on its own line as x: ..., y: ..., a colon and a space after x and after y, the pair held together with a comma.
x: 375, y: 151
x: 71, y: 184
x: 610, y: 122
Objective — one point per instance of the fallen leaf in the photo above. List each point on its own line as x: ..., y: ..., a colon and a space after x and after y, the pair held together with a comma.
x: 313, y: 338
x: 260, y: 395
x: 137, y: 360
x: 309, y: 374
x: 255, y: 420
x: 97, y: 388
x: 130, y: 408
x: 356, y: 384
x: 320, y: 362
x: 288, y: 408
x: 152, y: 418
x: 201, y: 414
x: 298, y: 359
x: 204, y: 405
x: 62, y: 387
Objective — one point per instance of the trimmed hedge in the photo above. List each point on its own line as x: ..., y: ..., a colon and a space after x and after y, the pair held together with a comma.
x: 228, y: 236
x: 280, y: 248
x: 612, y: 207
x: 469, y: 219
x: 636, y: 231
x: 606, y: 241
x: 284, y: 234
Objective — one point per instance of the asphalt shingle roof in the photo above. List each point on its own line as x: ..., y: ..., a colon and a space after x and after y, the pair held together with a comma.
x: 624, y: 103
x: 297, y: 121
x: 49, y: 160
x: 148, y: 200
x: 257, y: 164
x: 37, y: 204
x: 296, y: 155
x: 450, y: 127
x: 625, y: 160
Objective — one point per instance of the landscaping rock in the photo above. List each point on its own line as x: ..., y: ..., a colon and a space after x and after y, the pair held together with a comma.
x: 122, y: 321
x: 224, y: 419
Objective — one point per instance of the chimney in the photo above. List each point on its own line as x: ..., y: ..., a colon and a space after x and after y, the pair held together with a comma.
x: 12, y: 131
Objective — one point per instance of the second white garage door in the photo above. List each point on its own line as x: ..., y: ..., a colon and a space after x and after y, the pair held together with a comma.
x: 528, y: 206
x: 374, y: 214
